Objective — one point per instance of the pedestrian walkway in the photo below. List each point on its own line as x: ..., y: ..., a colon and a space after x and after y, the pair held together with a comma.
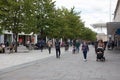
x: 24, y: 56
x: 68, y: 67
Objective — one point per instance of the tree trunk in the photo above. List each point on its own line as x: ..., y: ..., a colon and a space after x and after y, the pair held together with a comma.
x: 15, y: 35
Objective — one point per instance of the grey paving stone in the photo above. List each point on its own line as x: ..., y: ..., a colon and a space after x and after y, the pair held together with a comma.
x: 69, y: 67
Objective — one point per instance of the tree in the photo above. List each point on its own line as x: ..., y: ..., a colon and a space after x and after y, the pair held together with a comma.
x: 68, y: 23
x: 30, y: 20
x: 41, y: 16
x: 17, y: 16
x: 75, y: 23
x: 88, y: 34
x: 45, y: 16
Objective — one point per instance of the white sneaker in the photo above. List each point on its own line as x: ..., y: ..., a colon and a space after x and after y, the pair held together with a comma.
x: 85, y: 60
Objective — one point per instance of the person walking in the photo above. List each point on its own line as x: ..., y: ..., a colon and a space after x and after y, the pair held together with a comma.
x: 57, y: 47
x: 66, y: 45
x: 49, y: 44
x: 77, y: 45
x: 95, y: 46
x: 110, y: 44
x: 85, y: 49
x: 41, y: 44
x: 3, y: 47
x: 74, y: 47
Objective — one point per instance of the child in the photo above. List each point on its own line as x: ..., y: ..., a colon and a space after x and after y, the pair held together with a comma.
x: 74, y: 49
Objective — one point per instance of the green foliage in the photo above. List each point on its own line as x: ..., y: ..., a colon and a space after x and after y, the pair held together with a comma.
x: 41, y: 16
x: 45, y: 16
x: 17, y: 16
x: 88, y: 34
x: 68, y: 23
x: 29, y: 21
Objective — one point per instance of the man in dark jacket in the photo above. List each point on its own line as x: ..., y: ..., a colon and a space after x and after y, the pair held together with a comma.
x: 57, y: 47
x: 41, y: 44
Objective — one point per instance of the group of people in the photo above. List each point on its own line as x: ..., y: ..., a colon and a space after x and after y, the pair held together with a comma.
x: 40, y: 45
x: 84, y: 48
x: 57, y: 47
x: 76, y: 47
x: 3, y: 47
x: 99, y: 48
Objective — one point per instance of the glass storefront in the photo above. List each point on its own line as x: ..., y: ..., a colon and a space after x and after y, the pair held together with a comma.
x: 7, y: 39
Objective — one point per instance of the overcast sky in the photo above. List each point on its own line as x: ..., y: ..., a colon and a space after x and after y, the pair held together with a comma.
x: 92, y: 11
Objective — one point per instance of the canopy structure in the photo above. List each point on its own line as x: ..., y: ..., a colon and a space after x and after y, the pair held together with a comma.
x: 118, y: 31
x: 99, y: 25
x: 112, y: 27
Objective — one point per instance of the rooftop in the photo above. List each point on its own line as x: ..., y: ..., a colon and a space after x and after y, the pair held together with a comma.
x: 97, y: 25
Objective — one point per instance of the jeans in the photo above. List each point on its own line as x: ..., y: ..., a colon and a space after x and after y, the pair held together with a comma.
x: 58, y: 52
x: 49, y: 49
x: 41, y: 48
x: 77, y: 49
x: 85, y: 54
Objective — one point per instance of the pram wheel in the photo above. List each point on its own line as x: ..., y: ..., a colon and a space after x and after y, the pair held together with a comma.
x: 100, y: 59
x: 100, y: 55
x: 103, y: 59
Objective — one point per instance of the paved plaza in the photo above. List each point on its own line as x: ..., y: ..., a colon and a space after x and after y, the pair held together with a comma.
x: 23, y: 56
x: 36, y: 65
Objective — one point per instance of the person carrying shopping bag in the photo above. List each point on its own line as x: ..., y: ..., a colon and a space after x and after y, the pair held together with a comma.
x: 49, y: 44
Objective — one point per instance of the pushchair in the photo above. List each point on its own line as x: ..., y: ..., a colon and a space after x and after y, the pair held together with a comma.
x: 100, y: 54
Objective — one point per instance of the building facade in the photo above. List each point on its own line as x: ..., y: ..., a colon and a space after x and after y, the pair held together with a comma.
x: 117, y: 12
x: 101, y: 31
x: 7, y: 37
x: 113, y: 28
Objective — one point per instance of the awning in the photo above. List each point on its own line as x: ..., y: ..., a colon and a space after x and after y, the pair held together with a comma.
x: 112, y: 27
x: 118, y: 31
x: 99, y: 25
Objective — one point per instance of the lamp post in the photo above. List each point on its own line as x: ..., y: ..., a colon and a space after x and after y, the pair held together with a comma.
x: 110, y: 10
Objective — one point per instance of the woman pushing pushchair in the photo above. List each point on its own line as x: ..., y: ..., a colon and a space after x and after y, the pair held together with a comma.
x: 100, y: 51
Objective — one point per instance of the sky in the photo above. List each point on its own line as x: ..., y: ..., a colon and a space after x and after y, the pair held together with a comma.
x: 92, y: 11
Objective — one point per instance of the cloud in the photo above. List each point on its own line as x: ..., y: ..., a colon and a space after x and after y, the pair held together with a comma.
x: 92, y: 11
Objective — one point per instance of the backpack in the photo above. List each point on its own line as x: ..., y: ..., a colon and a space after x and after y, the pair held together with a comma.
x: 57, y: 44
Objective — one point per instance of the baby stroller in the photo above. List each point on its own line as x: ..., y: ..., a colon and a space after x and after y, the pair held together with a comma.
x: 100, y: 54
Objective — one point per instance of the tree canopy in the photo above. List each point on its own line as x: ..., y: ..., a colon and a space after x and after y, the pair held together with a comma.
x: 41, y: 17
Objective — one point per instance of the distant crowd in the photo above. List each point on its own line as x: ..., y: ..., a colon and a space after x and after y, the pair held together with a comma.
x: 42, y: 44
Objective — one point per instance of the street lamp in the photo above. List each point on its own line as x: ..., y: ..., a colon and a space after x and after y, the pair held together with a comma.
x: 110, y: 10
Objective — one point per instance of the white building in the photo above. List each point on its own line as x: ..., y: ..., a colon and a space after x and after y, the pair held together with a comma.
x: 117, y: 12
x: 8, y: 37
x: 113, y: 28
x: 101, y: 31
